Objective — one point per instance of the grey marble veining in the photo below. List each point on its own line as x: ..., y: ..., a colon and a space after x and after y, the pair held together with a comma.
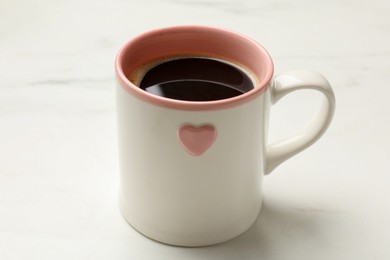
x: 58, y: 153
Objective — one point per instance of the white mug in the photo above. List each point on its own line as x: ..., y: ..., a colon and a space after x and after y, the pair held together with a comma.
x: 191, y: 171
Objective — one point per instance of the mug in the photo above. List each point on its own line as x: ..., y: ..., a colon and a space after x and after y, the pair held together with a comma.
x: 191, y: 171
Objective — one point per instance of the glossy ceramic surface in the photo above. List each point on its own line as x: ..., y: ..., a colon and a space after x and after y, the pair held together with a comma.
x: 191, y: 172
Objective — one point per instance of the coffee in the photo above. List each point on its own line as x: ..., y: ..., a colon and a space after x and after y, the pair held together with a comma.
x: 196, y: 79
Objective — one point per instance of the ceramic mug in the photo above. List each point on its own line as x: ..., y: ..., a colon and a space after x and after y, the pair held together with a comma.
x: 191, y: 172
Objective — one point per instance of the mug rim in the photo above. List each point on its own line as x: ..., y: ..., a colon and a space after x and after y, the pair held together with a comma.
x: 261, y: 85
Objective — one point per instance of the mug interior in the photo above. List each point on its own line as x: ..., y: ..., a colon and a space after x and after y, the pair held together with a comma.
x: 196, y: 41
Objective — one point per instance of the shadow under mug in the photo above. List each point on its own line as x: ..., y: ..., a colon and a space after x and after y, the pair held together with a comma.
x: 191, y: 172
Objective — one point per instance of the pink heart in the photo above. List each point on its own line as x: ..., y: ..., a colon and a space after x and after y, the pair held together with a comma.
x: 197, y: 140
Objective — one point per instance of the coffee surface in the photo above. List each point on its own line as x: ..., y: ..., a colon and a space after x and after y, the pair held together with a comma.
x: 196, y: 79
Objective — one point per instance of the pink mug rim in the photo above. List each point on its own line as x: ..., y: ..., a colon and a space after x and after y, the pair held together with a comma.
x: 131, y: 88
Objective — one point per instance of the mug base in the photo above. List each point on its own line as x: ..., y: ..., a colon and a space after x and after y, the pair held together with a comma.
x: 187, y: 240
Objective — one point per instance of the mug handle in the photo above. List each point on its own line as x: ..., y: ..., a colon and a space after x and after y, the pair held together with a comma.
x: 284, y: 84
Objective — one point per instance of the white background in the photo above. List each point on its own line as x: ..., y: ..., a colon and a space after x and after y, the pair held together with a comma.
x: 58, y: 150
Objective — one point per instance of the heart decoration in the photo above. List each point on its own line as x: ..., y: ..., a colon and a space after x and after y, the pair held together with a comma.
x: 197, y: 139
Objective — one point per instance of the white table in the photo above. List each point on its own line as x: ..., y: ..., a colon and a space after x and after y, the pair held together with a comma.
x: 58, y: 153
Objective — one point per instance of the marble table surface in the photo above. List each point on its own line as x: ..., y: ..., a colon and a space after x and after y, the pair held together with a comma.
x: 58, y: 150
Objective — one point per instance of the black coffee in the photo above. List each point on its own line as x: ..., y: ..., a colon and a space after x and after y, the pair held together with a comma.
x: 196, y: 79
